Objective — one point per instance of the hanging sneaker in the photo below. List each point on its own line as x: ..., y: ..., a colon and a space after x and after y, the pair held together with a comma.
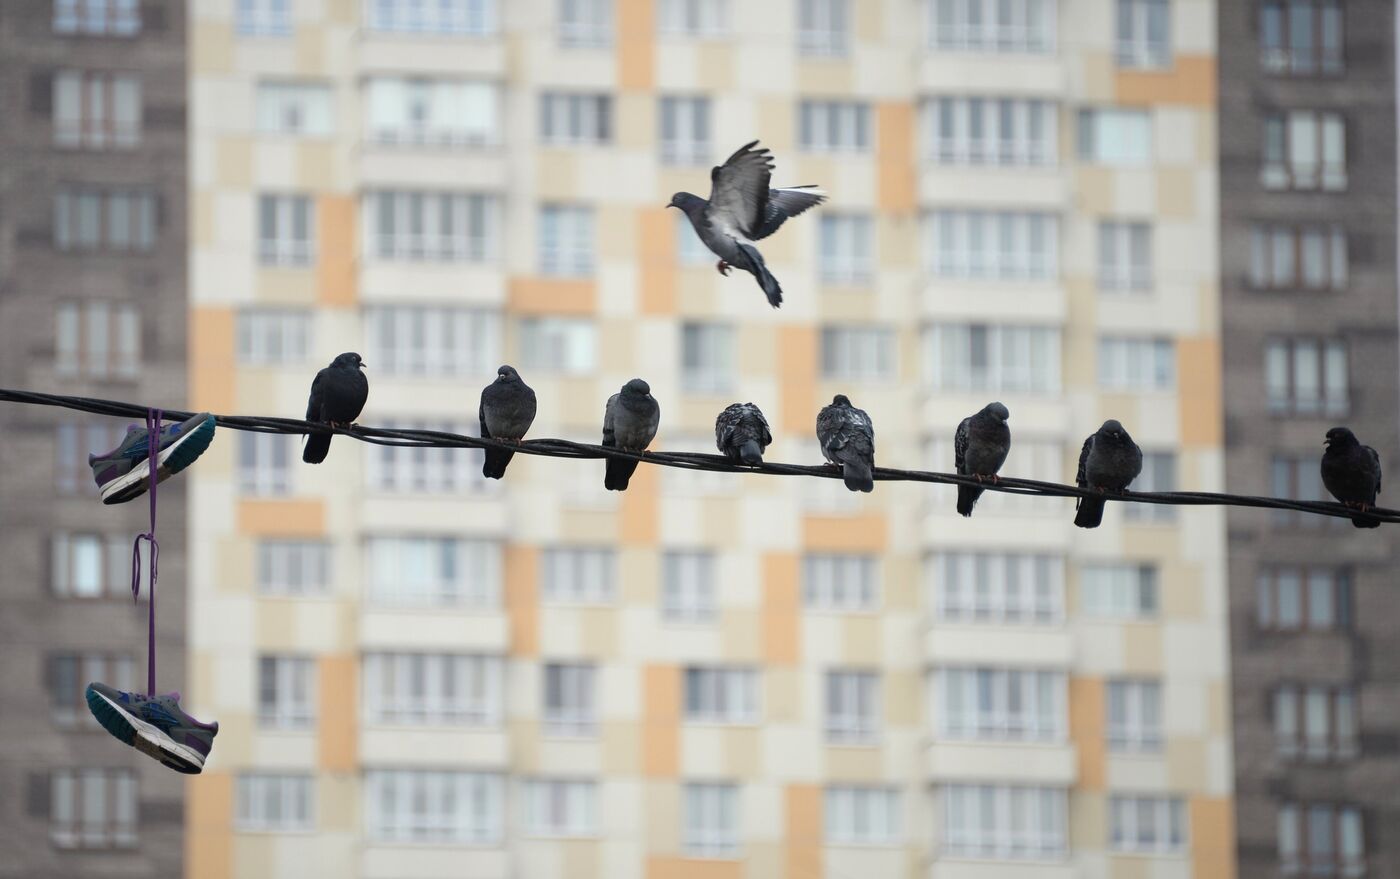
x: 124, y: 473
x: 154, y: 726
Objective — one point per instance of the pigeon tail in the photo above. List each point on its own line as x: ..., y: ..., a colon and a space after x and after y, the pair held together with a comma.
x: 751, y: 453
x: 1090, y: 513
x: 857, y: 476
x: 318, y: 445
x: 494, y: 467
x: 619, y: 472
x: 770, y: 286
x: 967, y: 498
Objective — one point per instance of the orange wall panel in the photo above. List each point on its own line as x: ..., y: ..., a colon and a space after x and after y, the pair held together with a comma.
x: 337, y: 714
x: 804, y: 830
x: 562, y: 296
x: 639, y: 509
x: 1199, y: 380
x: 1190, y: 80
x: 867, y: 532
x: 797, y: 370
x: 522, y: 602
x: 656, y: 248
x: 661, y: 710
x: 636, y: 47
x: 689, y: 868
x: 336, y: 251
x: 212, y: 366
x: 209, y: 826
x: 894, y: 145
x: 1086, y: 723
x: 781, y: 619
x: 282, y: 518
x: 1212, y: 835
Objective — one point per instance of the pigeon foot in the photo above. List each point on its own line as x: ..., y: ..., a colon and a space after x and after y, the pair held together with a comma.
x: 723, y: 268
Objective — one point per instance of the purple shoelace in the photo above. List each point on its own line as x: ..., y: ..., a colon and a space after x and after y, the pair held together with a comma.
x: 153, y: 417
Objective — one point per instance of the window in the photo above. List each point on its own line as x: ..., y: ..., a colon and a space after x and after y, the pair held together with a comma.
x: 263, y: 18
x: 991, y: 245
x: 1298, y: 257
x: 992, y: 25
x: 294, y: 108
x: 1304, y: 149
x: 286, y: 236
x: 566, y: 240
x: 585, y: 24
x: 1119, y: 591
x: 1125, y: 257
x: 578, y: 575
x: 438, y: 342
x: 685, y: 131
x: 852, y: 707
x: 840, y: 582
x: 963, y: 358
x: 72, y: 443
x: 1135, y: 364
x: 1314, y: 722
x: 434, y: 572
x: 107, y: 219
x: 432, y: 112
x: 92, y: 808
x: 1301, y: 37
x: 833, y: 126
x: 558, y: 344
x: 1134, y: 715
x: 286, y: 692
x: 420, y: 470
x: 473, y: 18
x: 1147, y: 825
x: 1004, y: 822
x: 846, y: 250
x: 97, y: 339
x: 857, y: 353
x: 111, y: 18
x: 690, y: 250
x: 704, y: 19
x: 275, y: 803
x: 96, y: 110
x: 68, y: 677
x: 996, y: 131
x: 264, y: 463
x: 1158, y: 474
x: 1000, y: 704
x: 1306, y: 376
x: 1320, y: 839
x: 1294, y: 598
x: 862, y: 815
x: 1296, y: 477
x: 274, y: 337
x: 688, y: 593
x: 568, y: 119
x: 707, y: 357
x: 721, y: 695
x: 433, y: 806
x: 293, y: 567
x: 89, y: 565
x: 432, y: 689
x: 1115, y: 137
x: 823, y: 27
x: 1144, y: 33
x: 560, y: 808
x: 711, y: 821
x: 998, y: 587
x: 569, y: 702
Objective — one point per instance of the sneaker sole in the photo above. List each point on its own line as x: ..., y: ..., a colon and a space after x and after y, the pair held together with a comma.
x: 169, y: 461
x: 132, y: 730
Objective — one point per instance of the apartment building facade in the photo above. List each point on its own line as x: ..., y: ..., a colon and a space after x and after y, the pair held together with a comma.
x: 419, y: 673
x: 1308, y: 226
x: 92, y: 302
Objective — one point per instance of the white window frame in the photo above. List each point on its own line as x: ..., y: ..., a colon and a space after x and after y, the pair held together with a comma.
x: 563, y: 345
x: 286, y: 691
x: 859, y: 353
x: 841, y: 582
x: 1322, y: 52
x: 560, y: 808
x: 1026, y: 823
x: 1136, y: 363
x: 1119, y: 590
x: 279, y: 216
x: 424, y: 570
x: 696, y: 19
x: 108, y: 18
x: 1161, y: 471
x: 585, y: 24
x: 861, y: 815
x: 853, y: 707
x: 1125, y: 256
x: 426, y: 471
x: 1016, y: 358
x: 432, y: 341
x: 112, y: 220
x: 585, y: 575
x: 275, y: 803
x: 991, y: 130
x: 469, y: 18
x: 824, y: 28
x: 992, y: 246
x: 833, y: 126
x: 1148, y: 824
x: 1139, y: 727
x: 567, y: 241
x: 993, y: 704
x: 1315, y: 722
x: 432, y: 112
x: 265, y: 464
x: 92, y: 808
x: 569, y: 694
x: 846, y: 254
x: 1307, y: 375
x: 426, y: 806
x: 1298, y: 257
x: 1304, y: 150
x: 295, y: 108
x: 710, y: 820
x: 274, y: 336
x: 413, y: 689
x: 97, y: 339
x: 999, y: 588
x: 293, y: 567
x: 88, y: 565
x: 1293, y: 598
x: 708, y: 358
x: 688, y: 586
x: 1115, y: 137
x: 685, y: 127
x: 1017, y: 26
x: 1342, y: 827
x: 1143, y: 34
x: 96, y: 110
x: 263, y: 18
x: 721, y: 695
x: 576, y: 119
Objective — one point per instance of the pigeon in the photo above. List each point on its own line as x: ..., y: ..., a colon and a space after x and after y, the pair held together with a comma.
x: 743, y: 209
x: 848, y: 441
x: 1109, y: 461
x: 979, y: 449
x: 742, y: 433
x: 629, y: 423
x: 507, y: 409
x: 337, y: 395
x: 1352, y: 472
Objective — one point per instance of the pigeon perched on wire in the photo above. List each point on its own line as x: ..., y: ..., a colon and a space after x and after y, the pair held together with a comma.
x: 847, y: 438
x: 338, y: 393
x: 1352, y: 472
x: 979, y: 449
x: 741, y: 433
x: 1109, y: 461
x: 743, y: 209
x: 507, y: 410
x: 629, y: 423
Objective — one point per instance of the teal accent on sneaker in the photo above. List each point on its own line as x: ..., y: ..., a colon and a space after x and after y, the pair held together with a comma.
x: 157, y: 727
x: 124, y: 473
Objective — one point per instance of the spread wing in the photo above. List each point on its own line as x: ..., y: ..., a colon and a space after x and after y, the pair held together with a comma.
x: 960, y: 441
x: 739, y: 189
x: 784, y: 203
x: 1081, y: 478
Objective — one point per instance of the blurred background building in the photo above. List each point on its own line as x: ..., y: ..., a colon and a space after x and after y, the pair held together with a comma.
x: 92, y: 302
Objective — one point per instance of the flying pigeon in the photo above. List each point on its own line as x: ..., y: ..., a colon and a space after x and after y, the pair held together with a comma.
x: 507, y: 409
x: 742, y: 433
x: 1352, y: 472
x: 338, y: 394
x: 848, y: 441
x: 743, y: 209
x: 1109, y: 461
x: 979, y: 449
x: 629, y: 423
